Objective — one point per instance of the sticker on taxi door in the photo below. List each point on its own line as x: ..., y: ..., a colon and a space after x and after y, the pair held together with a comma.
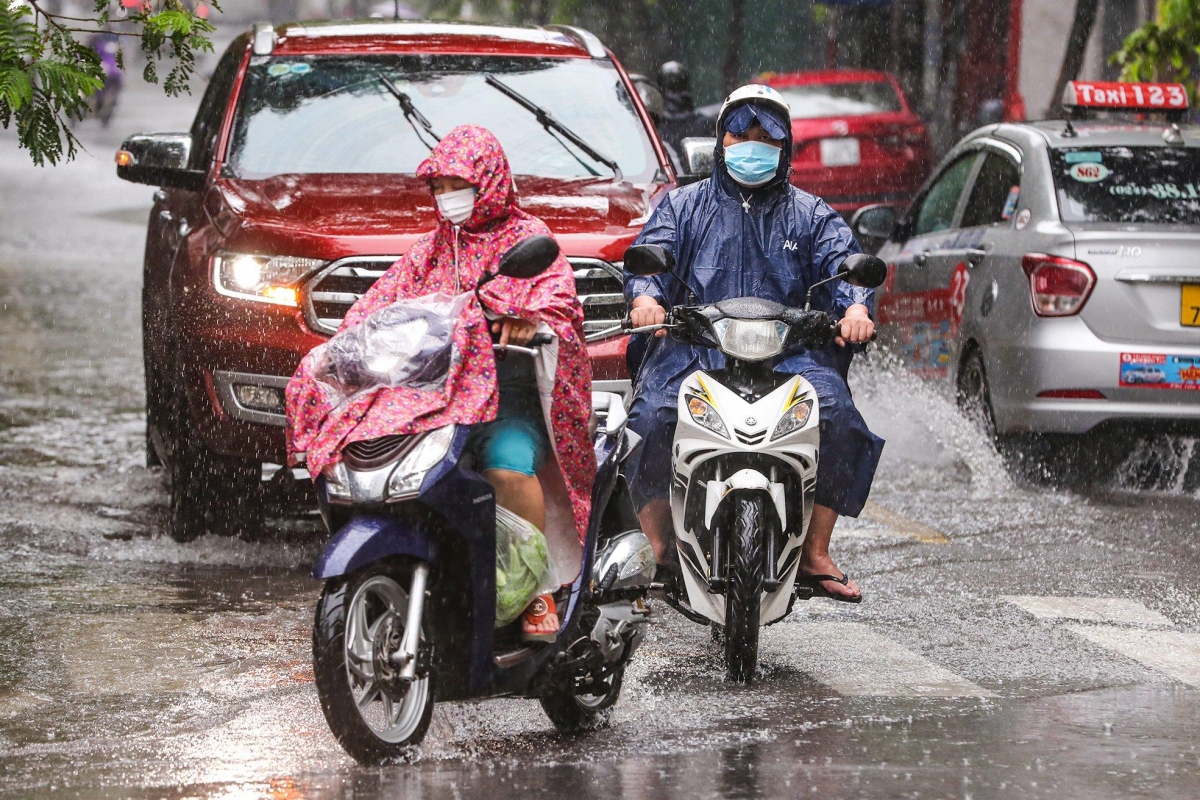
x: 1158, y: 371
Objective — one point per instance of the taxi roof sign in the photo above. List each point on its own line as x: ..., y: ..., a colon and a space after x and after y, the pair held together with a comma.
x: 1114, y: 96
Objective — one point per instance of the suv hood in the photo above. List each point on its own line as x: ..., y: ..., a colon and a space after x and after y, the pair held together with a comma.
x: 350, y: 206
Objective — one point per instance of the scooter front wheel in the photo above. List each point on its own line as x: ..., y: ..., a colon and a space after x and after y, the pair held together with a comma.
x: 743, y: 589
x: 375, y: 715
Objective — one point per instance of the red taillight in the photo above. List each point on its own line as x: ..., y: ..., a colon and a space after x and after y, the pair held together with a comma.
x: 1059, y: 286
x: 1073, y: 394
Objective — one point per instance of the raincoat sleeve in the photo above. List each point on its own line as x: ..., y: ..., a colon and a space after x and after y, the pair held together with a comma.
x: 659, y: 230
x: 832, y: 243
x: 549, y: 297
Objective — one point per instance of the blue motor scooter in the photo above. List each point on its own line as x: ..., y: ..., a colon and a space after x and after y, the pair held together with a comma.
x: 407, y: 614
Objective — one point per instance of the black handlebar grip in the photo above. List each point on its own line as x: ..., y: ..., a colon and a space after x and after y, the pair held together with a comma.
x: 540, y: 339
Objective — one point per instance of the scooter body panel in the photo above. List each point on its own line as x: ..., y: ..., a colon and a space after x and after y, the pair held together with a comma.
x: 712, y: 468
x: 456, y: 509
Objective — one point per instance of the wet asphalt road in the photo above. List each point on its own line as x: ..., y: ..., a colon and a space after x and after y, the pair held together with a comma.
x: 983, y: 664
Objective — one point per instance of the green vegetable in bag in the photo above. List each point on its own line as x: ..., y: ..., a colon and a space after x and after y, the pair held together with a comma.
x: 522, y: 565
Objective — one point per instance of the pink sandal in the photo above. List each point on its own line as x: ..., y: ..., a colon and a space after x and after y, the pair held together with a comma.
x: 541, y: 607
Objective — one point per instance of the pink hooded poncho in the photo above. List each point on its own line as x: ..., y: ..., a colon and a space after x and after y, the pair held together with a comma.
x: 451, y: 261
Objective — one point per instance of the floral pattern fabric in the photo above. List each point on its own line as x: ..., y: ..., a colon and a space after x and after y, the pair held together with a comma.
x: 451, y: 259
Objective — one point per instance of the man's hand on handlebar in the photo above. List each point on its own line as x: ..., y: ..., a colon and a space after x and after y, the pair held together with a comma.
x: 856, y: 327
x: 647, y: 311
x: 513, y: 330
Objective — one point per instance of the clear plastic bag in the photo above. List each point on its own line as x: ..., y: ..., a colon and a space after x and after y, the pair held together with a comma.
x: 522, y: 565
x: 409, y: 343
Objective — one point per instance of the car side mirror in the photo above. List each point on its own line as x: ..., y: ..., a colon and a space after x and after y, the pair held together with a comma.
x: 699, y: 156
x: 159, y: 159
x: 874, y: 225
x: 529, y: 257
x: 646, y: 260
x: 863, y: 270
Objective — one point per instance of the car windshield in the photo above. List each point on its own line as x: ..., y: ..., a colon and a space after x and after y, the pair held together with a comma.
x: 333, y: 114
x: 841, y: 99
x: 1128, y: 184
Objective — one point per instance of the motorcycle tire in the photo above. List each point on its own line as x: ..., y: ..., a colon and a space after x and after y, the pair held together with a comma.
x: 335, y: 680
x: 209, y: 492
x: 743, y: 588
x: 573, y: 712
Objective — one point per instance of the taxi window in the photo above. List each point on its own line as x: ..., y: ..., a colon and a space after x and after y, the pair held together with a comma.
x: 1128, y: 184
x: 995, y: 194
x: 937, y: 209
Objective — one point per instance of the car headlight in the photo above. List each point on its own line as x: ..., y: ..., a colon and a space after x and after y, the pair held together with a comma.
x: 793, y: 419
x: 706, y: 416
x: 751, y: 339
x: 337, y: 482
x: 265, y: 279
x: 406, y: 479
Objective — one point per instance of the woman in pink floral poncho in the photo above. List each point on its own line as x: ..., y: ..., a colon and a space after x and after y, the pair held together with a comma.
x: 545, y: 479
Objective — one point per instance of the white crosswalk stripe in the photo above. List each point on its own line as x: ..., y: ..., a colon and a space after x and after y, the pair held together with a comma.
x: 1170, y: 652
x: 852, y: 659
x: 1173, y: 653
x: 1092, y: 609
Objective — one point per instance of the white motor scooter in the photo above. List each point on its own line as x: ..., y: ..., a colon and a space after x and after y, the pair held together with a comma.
x: 744, y: 458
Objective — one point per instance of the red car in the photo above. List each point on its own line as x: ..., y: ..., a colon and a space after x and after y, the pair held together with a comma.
x: 858, y: 142
x: 295, y: 189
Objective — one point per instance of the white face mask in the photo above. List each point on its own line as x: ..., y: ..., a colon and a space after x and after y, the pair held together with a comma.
x: 456, y: 206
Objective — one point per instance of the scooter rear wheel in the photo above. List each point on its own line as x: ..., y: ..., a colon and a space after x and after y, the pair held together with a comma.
x: 743, y: 589
x: 572, y: 708
x: 359, y: 622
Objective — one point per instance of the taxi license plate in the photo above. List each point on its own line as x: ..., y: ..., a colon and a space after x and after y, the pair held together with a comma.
x: 839, y: 153
x: 1189, y: 306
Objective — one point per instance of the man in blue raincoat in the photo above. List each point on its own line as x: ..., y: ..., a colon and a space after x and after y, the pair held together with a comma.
x: 746, y: 231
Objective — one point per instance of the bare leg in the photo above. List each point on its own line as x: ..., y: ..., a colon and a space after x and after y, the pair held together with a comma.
x: 519, y: 493
x: 522, y: 495
x: 655, y: 518
x: 814, y: 555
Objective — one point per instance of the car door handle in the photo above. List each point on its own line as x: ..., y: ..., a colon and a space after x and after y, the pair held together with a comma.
x: 975, y: 255
x: 920, y: 258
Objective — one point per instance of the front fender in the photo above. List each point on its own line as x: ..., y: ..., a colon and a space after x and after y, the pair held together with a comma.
x: 370, y: 537
x: 743, y: 480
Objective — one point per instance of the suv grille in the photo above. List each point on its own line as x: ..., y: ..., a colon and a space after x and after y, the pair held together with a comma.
x: 340, y: 284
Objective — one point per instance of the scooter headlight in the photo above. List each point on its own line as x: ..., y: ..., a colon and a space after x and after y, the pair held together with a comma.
x: 409, y: 474
x: 706, y: 416
x: 337, y: 482
x: 751, y: 339
x: 793, y: 420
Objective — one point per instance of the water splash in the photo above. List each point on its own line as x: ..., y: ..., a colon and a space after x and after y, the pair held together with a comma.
x: 1159, y: 464
x: 924, y: 429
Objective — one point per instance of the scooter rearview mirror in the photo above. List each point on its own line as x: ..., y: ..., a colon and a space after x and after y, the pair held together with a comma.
x: 645, y: 260
x: 863, y: 270
x: 529, y: 258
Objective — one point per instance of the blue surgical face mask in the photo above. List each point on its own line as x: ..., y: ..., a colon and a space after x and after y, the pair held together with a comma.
x: 752, y: 163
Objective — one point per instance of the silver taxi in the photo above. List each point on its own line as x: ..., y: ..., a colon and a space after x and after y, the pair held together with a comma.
x: 1051, y: 272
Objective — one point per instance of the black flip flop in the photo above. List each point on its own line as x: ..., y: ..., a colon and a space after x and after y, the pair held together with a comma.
x: 814, y: 582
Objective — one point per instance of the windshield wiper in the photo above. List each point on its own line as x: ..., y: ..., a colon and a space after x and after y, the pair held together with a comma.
x: 411, y: 113
x: 549, y: 122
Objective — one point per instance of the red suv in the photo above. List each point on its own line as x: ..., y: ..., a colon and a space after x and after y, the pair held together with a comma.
x: 857, y: 140
x: 294, y: 190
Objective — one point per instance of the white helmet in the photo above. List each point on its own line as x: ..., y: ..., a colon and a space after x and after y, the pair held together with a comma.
x: 754, y: 92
